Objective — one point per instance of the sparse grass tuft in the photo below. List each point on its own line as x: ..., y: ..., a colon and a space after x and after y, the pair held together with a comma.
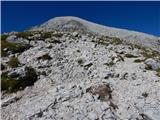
x: 138, y: 61
x: 116, y: 41
x: 13, y: 62
x: 130, y: 56
x: 24, y: 35
x: 46, y: 35
x: 11, y: 85
x: 44, y: 57
x: 12, y: 47
x: 3, y: 37
x: 58, y: 35
x: 2, y: 66
x: 110, y: 64
x: 7, y: 83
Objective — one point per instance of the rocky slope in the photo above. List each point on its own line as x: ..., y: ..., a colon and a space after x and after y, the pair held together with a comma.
x: 65, y: 71
x: 142, y: 39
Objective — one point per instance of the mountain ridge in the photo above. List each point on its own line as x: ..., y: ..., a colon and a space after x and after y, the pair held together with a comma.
x: 129, y: 36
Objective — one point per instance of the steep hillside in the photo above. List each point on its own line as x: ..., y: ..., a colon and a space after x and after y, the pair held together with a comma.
x: 63, y: 70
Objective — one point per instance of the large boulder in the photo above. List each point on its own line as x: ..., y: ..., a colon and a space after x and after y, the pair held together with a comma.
x: 153, y: 64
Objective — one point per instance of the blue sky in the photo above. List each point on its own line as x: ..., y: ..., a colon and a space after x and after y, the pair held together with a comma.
x: 138, y: 16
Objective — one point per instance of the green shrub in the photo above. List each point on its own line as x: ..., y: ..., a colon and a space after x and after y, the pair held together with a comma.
x: 150, y: 54
x: 31, y: 77
x: 115, y: 41
x: 10, y: 85
x: 13, y: 47
x: 138, y: 61
x: 3, y: 37
x: 46, y: 35
x: 45, y: 57
x: 13, y: 62
x: 58, y: 35
x: 110, y: 64
x: 24, y: 35
x: 2, y: 66
x: 130, y: 56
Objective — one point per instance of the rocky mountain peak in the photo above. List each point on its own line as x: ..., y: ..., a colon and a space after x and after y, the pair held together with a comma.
x: 69, y: 68
x: 69, y: 22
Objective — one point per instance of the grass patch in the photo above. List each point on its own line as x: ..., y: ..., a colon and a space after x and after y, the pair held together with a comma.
x: 58, y: 35
x: 46, y: 35
x: 3, y: 67
x: 138, y: 61
x: 130, y: 56
x: 7, y: 83
x: 115, y: 41
x: 24, y: 35
x: 13, y: 62
x: 12, y: 47
x: 110, y: 64
x: 44, y: 57
x: 10, y: 85
x: 3, y: 37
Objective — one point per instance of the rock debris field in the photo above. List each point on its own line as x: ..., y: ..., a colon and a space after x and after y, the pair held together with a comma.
x: 72, y: 74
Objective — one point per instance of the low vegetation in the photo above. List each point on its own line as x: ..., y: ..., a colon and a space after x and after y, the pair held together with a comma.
x: 24, y: 35
x: 3, y: 67
x: 138, y: 61
x: 13, y: 62
x: 3, y: 37
x: 46, y: 35
x: 115, y: 41
x: 130, y: 56
x: 109, y: 64
x: 10, y: 84
x: 45, y: 57
x: 12, y: 47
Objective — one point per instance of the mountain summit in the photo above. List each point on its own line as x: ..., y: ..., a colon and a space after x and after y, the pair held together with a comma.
x: 129, y: 36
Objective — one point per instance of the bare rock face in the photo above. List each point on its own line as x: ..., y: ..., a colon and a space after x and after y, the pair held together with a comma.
x: 153, y: 64
x: 82, y: 75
